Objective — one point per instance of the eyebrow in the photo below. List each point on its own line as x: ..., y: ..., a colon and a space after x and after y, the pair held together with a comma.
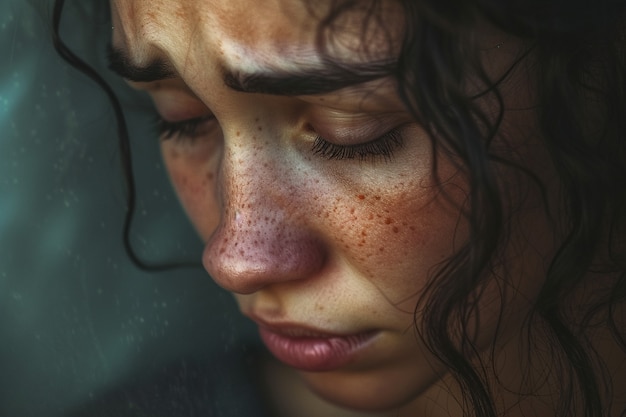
x: 328, y: 77
x: 121, y: 64
x: 308, y: 80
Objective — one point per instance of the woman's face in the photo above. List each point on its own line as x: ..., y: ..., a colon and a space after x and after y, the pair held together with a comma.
x: 314, y: 192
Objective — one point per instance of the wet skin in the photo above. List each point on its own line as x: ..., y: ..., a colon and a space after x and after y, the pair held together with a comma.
x: 340, y: 242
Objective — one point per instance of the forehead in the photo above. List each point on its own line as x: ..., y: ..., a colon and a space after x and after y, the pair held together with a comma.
x: 247, y: 33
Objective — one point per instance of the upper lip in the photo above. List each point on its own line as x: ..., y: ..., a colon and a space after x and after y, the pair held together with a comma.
x: 294, y: 330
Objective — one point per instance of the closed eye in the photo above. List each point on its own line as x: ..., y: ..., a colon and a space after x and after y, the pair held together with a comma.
x: 382, y: 147
x: 185, y: 129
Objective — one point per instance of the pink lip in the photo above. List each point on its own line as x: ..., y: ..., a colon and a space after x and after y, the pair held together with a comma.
x: 312, y: 350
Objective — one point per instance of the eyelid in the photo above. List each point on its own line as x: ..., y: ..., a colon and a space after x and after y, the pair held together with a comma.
x: 348, y: 129
x: 176, y: 106
x: 382, y: 147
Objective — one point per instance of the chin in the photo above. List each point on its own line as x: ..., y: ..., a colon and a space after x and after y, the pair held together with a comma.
x: 370, y: 391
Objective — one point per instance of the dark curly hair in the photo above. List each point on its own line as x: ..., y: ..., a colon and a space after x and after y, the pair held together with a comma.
x: 578, y: 53
x: 575, y: 52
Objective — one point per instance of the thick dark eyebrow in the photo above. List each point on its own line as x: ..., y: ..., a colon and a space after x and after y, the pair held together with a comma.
x: 122, y: 65
x: 308, y: 81
x: 300, y: 82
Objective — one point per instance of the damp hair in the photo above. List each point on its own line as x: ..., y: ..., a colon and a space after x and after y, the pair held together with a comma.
x: 579, y: 64
x: 578, y: 54
x: 124, y: 146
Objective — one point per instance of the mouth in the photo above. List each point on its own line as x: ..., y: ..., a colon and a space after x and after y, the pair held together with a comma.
x: 310, y: 349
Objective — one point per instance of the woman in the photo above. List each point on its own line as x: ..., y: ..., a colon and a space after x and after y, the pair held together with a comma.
x: 420, y: 203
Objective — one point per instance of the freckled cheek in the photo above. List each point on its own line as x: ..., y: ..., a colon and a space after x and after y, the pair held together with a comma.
x: 395, y: 242
x: 195, y: 186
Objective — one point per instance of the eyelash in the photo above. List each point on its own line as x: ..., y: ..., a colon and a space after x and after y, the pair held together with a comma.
x: 380, y: 148
x: 182, y: 130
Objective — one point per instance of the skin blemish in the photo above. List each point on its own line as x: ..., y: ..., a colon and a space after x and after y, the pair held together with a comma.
x: 388, y: 220
x: 395, y: 229
x: 361, y: 197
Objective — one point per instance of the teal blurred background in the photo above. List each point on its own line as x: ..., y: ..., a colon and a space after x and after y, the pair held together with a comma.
x: 76, y: 317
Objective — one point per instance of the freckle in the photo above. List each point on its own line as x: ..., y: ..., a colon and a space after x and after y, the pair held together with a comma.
x: 222, y: 250
x: 377, y: 197
x: 381, y: 249
x: 361, y: 197
x: 352, y: 210
x: 238, y: 133
x: 364, y: 233
x: 260, y: 129
x: 174, y: 154
x: 412, y: 228
x: 209, y: 176
x: 395, y: 229
x: 256, y: 119
x: 371, y: 217
x: 241, y: 252
x: 388, y: 220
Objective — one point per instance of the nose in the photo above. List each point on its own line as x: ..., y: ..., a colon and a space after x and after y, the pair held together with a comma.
x: 263, y: 237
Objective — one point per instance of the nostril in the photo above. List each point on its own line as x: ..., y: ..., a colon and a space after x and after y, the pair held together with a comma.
x: 245, y: 259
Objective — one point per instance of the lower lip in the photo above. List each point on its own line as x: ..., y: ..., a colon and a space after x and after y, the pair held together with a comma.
x: 315, y: 354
